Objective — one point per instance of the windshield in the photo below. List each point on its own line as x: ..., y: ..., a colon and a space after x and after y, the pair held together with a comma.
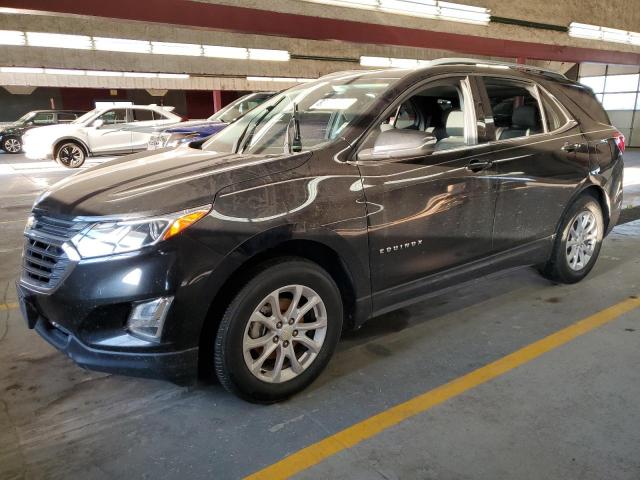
x: 25, y: 118
x: 236, y: 109
x: 85, y: 117
x: 302, y: 117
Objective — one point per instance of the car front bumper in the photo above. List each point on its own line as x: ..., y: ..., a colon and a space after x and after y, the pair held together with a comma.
x: 86, y: 315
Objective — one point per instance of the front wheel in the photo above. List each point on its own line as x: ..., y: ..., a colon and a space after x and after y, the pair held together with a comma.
x: 12, y: 145
x: 279, y: 331
x: 578, y: 243
x: 70, y: 155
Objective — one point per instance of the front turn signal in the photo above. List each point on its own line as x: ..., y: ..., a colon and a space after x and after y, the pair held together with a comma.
x: 183, y: 222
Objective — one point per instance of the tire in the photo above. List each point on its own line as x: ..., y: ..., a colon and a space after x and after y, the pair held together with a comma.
x: 12, y: 145
x: 565, y: 265
x: 278, y: 340
x: 70, y: 155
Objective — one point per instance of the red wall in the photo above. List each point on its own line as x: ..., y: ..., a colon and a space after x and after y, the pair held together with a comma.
x: 199, y: 103
x: 85, y: 98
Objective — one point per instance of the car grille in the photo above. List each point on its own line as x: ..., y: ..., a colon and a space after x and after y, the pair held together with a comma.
x: 44, y: 262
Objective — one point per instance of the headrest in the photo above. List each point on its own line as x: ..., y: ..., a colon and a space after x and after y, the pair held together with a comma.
x: 525, y: 116
x: 455, y: 123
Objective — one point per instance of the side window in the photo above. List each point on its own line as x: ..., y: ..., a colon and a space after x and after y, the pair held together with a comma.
x: 113, y: 117
x: 436, y: 115
x: 159, y: 116
x: 142, y: 115
x: 64, y: 117
x: 43, y: 118
x: 514, y: 107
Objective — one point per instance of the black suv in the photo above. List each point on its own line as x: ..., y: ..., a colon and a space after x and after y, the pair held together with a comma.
x: 330, y: 203
x: 11, y: 134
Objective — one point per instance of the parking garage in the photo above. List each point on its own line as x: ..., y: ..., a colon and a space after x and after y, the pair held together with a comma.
x: 227, y: 254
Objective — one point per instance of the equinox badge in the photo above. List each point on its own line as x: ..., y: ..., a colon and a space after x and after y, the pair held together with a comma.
x: 401, y: 246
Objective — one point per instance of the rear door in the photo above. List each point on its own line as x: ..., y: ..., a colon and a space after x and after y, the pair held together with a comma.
x: 143, y: 121
x: 434, y: 212
x: 540, y: 156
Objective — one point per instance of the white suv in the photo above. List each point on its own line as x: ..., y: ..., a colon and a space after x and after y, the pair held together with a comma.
x: 103, y: 131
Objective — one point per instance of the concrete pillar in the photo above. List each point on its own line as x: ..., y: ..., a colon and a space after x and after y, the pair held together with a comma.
x: 217, y: 100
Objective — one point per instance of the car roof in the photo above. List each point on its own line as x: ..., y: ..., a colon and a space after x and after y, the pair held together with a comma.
x: 58, y: 111
x: 459, y: 65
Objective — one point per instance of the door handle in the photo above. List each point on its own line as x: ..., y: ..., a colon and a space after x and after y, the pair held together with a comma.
x: 478, y: 165
x: 570, y: 147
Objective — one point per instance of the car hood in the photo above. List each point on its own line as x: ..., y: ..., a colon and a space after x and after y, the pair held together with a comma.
x: 158, y: 182
x: 10, y: 126
x: 54, y: 130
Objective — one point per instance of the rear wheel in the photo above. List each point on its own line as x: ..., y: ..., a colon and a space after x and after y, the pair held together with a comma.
x: 279, y: 331
x: 12, y: 145
x: 578, y: 243
x: 70, y: 155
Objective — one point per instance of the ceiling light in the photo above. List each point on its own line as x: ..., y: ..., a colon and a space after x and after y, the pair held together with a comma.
x: 403, y: 63
x: 386, y: 62
x: 140, y: 75
x: 173, y: 75
x: 122, y: 45
x: 420, y: 8
x: 103, y: 73
x: 21, y: 70
x: 59, y: 40
x: 271, y: 55
x: 375, y: 61
x: 61, y: 71
x: 594, y: 32
x: 225, y: 52
x: 11, y: 37
x: 463, y: 13
x: 168, y: 48
x: 280, y: 79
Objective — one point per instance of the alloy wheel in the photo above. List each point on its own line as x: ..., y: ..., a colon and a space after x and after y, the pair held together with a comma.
x: 581, y: 240
x: 12, y: 145
x: 71, y: 155
x: 285, y: 334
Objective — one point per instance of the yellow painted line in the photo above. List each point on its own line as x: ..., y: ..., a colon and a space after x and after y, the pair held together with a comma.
x: 8, y: 306
x: 351, y: 436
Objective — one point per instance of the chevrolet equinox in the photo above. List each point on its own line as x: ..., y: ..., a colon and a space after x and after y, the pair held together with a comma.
x: 332, y: 202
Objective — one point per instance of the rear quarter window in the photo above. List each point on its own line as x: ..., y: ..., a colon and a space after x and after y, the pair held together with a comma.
x: 585, y: 100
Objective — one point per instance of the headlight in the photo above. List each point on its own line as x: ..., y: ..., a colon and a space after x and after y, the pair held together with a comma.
x: 176, y: 139
x: 107, y: 238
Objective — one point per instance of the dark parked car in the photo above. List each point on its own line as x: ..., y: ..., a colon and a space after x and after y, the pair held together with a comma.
x: 330, y: 203
x: 11, y: 134
x: 196, y: 130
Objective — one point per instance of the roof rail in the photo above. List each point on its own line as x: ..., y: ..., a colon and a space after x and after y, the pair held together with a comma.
x: 479, y: 62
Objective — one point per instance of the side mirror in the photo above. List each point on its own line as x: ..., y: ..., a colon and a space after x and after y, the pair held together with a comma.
x: 98, y: 123
x: 396, y: 144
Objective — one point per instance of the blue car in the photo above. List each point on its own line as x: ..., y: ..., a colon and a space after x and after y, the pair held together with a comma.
x: 195, y: 130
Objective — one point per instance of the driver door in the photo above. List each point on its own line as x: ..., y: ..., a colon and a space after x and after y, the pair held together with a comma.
x: 111, y: 136
x: 433, y: 212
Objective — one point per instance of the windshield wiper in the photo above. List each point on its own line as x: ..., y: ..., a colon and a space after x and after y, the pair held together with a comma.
x: 294, y: 145
x: 247, y: 134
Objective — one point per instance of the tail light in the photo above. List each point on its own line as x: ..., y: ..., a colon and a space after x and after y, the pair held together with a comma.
x: 619, y: 139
